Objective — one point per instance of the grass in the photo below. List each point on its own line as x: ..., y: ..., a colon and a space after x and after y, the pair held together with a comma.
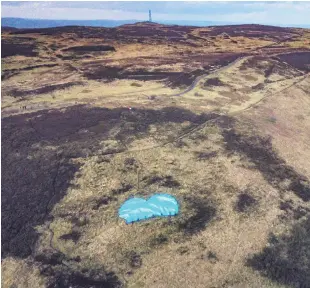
x: 86, y: 227
x: 244, y: 196
x: 286, y: 259
x: 125, y: 251
x: 27, y: 273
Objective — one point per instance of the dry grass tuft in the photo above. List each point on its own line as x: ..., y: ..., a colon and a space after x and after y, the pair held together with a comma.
x: 100, y: 127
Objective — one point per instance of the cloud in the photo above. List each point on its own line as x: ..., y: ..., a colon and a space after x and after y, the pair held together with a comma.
x: 44, y: 10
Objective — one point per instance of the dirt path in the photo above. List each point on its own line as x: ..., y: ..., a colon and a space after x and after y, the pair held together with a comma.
x: 200, y: 126
x: 206, y: 76
x: 300, y: 79
x: 196, y: 81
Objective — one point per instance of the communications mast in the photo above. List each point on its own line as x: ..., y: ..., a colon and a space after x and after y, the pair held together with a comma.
x: 150, y: 16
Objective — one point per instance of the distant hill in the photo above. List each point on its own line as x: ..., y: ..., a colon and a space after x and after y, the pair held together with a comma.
x: 40, y: 23
x: 8, y: 29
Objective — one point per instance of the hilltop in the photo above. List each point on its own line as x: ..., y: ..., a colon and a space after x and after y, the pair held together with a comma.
x: 41, y: 23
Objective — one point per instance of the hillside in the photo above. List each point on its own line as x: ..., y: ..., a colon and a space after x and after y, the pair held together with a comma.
x: 219, y: 118
x: 25, y: 23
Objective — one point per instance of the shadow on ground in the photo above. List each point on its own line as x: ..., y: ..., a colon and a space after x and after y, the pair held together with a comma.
x: 37, y: 166
x: 287, y: 258
x: 202, y: 212
x: 274, y: 169
x: 63, y: 278
x: 36, y: 153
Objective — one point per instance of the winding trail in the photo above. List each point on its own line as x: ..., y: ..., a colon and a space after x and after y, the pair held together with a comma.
x: 200, y: 126
x: 184, y: 134
x: 206, y: 76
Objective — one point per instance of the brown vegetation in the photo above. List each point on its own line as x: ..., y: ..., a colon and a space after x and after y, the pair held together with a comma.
x: 216, y: 116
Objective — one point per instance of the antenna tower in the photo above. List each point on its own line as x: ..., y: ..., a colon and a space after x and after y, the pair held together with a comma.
x: 150, y: 16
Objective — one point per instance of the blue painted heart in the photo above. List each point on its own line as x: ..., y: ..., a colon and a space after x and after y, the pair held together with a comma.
x: 159, y: 205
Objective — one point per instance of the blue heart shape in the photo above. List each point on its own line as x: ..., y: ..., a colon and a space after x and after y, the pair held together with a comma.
x: 159, y: 205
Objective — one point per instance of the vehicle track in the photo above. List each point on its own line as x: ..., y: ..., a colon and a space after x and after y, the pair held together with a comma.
x: 199, y: 126
x: 205, y: 76
x: 179, y: 137
x: 185, y: 134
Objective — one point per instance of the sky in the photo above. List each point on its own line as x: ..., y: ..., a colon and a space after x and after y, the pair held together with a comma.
x: 246, y: 12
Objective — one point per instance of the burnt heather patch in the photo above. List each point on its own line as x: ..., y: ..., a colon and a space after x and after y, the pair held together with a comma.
x: 43, y: 90
x: 63, y: 272
x: 299, y: 60
x: 110, y: 73
x: 15, y: 46
x: 63, y: 277
x: 202, y: 212
x: 6, y: 74
x: 213, y: 82
x: 274, y: 169
x: 291, y: 211
x: 135, y: 260
x: 34, y: 179
x: 206, y: 155
x: 252, y: 30
x: 74, y: 236
x: 32, y: 183
x: 165, y: 181
x: 286, y: 260
x: 90, y: 48
x: 245, y: 202
x: 104, y: 201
